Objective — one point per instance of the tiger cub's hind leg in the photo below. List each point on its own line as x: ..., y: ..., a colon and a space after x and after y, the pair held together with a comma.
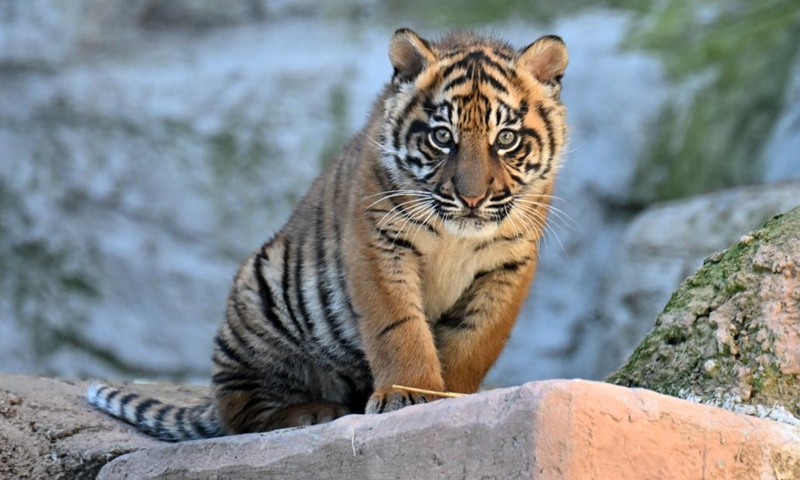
x: 247, y: 413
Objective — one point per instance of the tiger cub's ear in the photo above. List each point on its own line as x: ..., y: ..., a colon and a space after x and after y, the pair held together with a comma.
x: 545, y: 59
x: 409, y: 54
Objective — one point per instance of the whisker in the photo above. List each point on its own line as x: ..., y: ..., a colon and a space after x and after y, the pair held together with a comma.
x: 412, y: 212
x: 557, y: 212
x: 399, y: 208
x: 531, y: 224
x: 545, y: 228
x: 424, y: 220
x: 393, y: 195
x: 383, y: 148
x: 406, y: 191
x: 541, y: 195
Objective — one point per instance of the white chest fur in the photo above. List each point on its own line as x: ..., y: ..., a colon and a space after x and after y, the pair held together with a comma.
x: 449, y: 268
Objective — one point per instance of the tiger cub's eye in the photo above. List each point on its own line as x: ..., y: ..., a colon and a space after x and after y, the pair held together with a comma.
x: 442, y: 137
x: 506, y: 138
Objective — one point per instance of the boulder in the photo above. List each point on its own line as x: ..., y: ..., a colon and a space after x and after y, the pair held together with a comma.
x: 730, y: 335
x: 660, y: 248
x: 545, y: 430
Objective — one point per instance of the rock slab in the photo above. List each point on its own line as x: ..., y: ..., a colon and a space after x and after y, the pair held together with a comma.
x: 545, y: 430
x: 560, y: 429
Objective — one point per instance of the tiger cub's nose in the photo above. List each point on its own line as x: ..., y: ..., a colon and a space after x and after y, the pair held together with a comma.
x: 471, y: 202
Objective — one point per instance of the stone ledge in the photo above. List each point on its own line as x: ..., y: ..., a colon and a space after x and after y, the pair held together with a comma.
x: 546, y: 430
x: 560, y: 429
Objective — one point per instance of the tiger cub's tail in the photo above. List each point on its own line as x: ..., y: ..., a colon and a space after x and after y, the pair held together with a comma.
x: 165, y: 421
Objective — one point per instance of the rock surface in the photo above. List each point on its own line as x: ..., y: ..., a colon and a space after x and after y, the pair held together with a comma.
x: 731, y: 332
x: 544, y: 430
x: 48, y: 431
x: 662, y: 246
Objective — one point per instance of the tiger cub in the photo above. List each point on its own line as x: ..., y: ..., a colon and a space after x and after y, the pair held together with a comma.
x: 406, y: 262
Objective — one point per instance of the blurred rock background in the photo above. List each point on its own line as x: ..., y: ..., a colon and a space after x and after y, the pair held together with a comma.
x: 147, y: 146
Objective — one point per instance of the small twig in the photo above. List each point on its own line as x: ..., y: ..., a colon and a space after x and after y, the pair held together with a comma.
x: 430, y: 392
x: 353, y: 439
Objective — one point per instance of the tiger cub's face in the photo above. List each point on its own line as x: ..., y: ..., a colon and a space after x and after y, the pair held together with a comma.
x: 473, y: 128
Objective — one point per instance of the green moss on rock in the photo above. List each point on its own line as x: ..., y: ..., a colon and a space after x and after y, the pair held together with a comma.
x: 732, y: 330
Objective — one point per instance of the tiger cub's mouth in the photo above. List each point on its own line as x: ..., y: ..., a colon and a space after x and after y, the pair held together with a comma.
x: 473, y: 222
x: 470, y: 226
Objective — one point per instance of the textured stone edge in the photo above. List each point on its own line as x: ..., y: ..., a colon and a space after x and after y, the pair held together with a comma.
x: 545, y: 430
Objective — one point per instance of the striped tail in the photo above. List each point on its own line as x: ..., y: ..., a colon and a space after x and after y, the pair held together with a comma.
x: 165, y: 421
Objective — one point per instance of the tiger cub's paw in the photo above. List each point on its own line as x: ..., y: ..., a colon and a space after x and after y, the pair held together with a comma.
x: 389, y: 399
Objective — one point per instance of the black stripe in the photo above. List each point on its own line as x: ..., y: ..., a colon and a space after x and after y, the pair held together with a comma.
x: 393, y: 325
x: 161, y: 414
x: 428, y: 176
x: 180, y: 423
x: 285, y: 289
x: 505, y: 56
x: 324, y: 288
x: 413, y: 161
x: 455, y: 82
x: 487, y: 119
x: 394, y: 239
x: 400, y: 121
x: 99, y: 392
x: 516, y: 178
x: 246, y: 345
x: 451, y: 54
x: 511, y: 266
x: 304, y: 316
x: 229, y: 352
x: 111, y: 397
x: 474, y: 58
x: 455, y: 318
x: 417, y: 126
x: 544, y: 113
x: 339, y: 256
x: 198, y: 423
x: 142, y: 409
x: 526, y: 151
x: 127, y: 399
x: 494, y: 82
x: 504, y: 194
x: 533, y: 134
x: 267, y: 299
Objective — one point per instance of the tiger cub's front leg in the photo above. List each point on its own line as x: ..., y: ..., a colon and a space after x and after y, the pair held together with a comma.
x: 396, y: 337
x: 472, y: 333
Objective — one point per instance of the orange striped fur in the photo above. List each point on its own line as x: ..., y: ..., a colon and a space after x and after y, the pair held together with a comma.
x: 407, y: 261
